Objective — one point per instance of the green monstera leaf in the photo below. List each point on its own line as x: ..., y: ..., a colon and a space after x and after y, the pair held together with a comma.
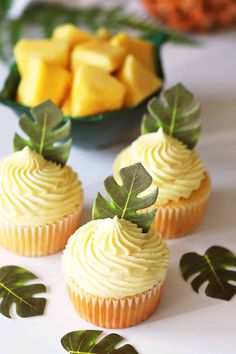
x: 15, y: 289
x: 176, y: 114
x: 45, y: 131
x: 125, y: 200
x: 84, y: 342
x: 215, y: 268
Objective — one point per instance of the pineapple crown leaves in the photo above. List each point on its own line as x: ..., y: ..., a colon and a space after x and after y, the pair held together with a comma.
x: 176, y: 114
x: 125, y: 199
x: 48, y: 133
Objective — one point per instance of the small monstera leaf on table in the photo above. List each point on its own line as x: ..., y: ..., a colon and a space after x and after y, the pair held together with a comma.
x: 14, y: 289
x: 215, y: 267
x: 84, y: 342
x: 125, y: 200
x: 176, y: 114
x: 45, y: 129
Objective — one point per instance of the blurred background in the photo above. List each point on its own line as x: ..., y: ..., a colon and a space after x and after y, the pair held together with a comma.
x: 187, y: 15
x: 31, y: 18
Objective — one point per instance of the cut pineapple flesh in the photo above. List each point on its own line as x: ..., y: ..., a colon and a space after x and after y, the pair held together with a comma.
x: 66, y: 106
x: 55, y: 52
x: 86, y: 73
x: 95, y: 91
x: 138, y: 80
x: 98, y: 53
x: 104, y: 34
x: 72, y: 34
x: 141, y: 49
x: 43, y: 81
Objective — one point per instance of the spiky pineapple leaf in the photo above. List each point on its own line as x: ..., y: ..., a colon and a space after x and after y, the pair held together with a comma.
x: 86, y: 341
x: 46, y: 128
x: 176, y: 113
x: 15, y: 289
x: 216, y: 268
x: 125, y: 200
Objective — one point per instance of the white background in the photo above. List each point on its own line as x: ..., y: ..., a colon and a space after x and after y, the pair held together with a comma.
x: 185, y: 322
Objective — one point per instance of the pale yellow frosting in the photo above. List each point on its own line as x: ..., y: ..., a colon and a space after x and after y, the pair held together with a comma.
x: 114, y: 258
x: 176, y: 170
x: 34, y: 191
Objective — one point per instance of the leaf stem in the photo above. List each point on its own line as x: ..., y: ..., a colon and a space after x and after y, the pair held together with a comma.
x: 214, y: 272
x: 74, y: 352
x: 173, y: 118
x: 18, y: 297
x: 43, y: 134
x: 129, y: 195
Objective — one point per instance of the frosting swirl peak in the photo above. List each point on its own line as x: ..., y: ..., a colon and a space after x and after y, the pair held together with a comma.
x: 35, y: 191
x: 176, y: 170
x: 114, y: 258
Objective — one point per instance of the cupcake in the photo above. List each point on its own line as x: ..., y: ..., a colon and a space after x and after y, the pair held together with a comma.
x: 115, y: 270
x: 40, y: 203
x: 171, y: 128
x: 180, y: 176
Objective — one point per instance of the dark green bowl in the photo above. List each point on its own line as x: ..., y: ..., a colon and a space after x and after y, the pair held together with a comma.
x: 98, y: 130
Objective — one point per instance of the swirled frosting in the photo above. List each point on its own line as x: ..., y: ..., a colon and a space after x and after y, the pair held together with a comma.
x: 114, y: 258
x: 176, y: 170
x: 34, y: 191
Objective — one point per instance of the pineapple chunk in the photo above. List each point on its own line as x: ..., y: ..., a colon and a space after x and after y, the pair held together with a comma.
x: 43, y: 81
x: 141, y: 49
x: 72, y: 34
x: 104, y: 34
x: 138, y: 80
x: 66, y: 106
x: 98, y: 53
x: 56, y: 52
x: 95, y: 91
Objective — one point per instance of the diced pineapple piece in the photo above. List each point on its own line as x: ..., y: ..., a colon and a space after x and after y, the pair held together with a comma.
x: 43, y: 81
x: 98, y: 53
x: 104, y: 34
x: 66, y: 106
x: 95, y: 91
x: 141, y: 49
x: 56, y: 52
x: 138, y: 80
x: 72, y: 34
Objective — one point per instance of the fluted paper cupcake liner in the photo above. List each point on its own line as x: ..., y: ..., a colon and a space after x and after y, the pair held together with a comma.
x: 173, y: 222
x: 115, y: 312
x: 41, y: 240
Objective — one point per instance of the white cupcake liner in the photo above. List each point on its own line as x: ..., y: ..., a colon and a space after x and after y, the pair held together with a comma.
x: 39, y: 240
x: 174, y: 222
x: 115, y: 312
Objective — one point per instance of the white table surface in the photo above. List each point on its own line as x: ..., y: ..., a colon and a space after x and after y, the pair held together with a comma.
x: 185, y: 322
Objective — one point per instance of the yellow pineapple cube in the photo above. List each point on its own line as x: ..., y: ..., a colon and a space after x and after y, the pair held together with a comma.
x: 104, y: 34
x: 43, y: 81
x: 141, y: 49
x: 66, y: 106
x: 95, y: 91
x: 72, y: 34
x: 98, y: 53
x: 55, y: 52
x: 138, y: 80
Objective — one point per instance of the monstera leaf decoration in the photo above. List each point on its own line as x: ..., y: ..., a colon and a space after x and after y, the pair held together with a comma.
x: 216, y: 268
